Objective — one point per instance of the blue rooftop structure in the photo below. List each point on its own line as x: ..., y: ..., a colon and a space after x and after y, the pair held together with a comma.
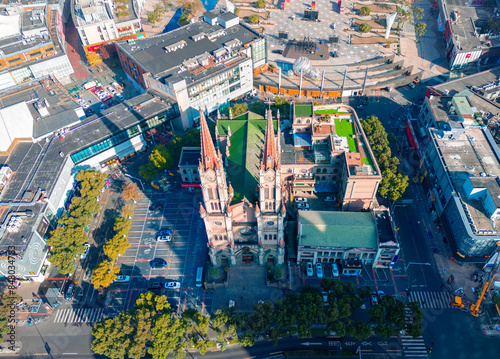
x: 302, y: 140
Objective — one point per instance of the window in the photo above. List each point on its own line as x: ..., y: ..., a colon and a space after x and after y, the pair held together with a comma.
x: 318, y: 170
x: 184, y: 171
x: 195, y: 172
x: 186, y: 179
x: 324, y: 170
x: 265, y: 237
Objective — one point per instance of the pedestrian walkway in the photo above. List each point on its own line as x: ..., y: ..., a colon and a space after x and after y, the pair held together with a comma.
x: 431, y: 299
x: 413, y: 347
x: 83, y: 315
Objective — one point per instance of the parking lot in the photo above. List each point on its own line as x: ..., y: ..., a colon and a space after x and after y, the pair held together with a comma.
x: 184, y: 253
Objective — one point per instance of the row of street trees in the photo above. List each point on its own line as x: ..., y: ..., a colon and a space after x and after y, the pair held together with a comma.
x: 150, y: 323
x: 106, y: 271
x: 67, y: 241
x: 393, y: 184
x: 163, y: 157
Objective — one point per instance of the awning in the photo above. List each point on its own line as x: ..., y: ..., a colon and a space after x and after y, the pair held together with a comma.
x: 302, y: 140
x: 325, y: 187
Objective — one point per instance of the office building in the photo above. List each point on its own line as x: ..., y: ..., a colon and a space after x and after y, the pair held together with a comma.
x: 201, y: 66
x: 40, y: 159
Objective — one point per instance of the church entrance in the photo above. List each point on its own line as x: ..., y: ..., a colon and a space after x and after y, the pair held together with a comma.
x: 247, y: 256
x: 270, y: 259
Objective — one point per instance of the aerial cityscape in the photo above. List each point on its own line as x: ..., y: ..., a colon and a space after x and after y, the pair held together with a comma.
x: 250, y: 179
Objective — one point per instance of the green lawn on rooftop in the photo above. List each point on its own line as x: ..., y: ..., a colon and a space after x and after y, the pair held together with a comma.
x: 330, y: 111
x: 303, y: 110
x: 344, y: 128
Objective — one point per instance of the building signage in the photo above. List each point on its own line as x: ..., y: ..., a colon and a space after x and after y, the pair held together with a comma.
x: 190, y: 185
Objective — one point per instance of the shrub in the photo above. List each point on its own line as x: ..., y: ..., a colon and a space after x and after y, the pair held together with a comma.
x: 254, y: 19
x: 278, y: 273
x: 261, y: 4
x: 365, y: 11
x: 364, y: 28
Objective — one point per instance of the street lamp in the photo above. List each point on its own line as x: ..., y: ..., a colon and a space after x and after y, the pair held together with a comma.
x: 140, y: 181
x: 422, y: 264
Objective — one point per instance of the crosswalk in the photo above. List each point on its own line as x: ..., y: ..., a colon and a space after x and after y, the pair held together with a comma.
x: 81, y: 315
x: 431, y: 299
x: 413, y: 347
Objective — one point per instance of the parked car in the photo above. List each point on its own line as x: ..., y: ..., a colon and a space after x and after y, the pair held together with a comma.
x: 330, y: 199
x: 277, y: 52
x: 325, y: 298
x: 380, y: 294
x: 158, y: 263
x: 172, y: 285
x: 300, y: 200
x: 302, y: 205
x: 412, y: 85
x: 335, y: 270
x: 304, y: 209
x: 70, y: 292
x: 87, y: 247
x: 310, y: 271
x: 120, y: 97
x: 102, y: 107
x: 112, y: 90
x: 122, y: 279
x: 319, y: 270
x: 374, y: 298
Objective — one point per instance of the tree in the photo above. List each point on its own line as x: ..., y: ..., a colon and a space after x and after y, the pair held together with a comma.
x: 202, y: 345
x: 420, y: 28
x: 131, y: 191
x: 360, y: 330
x: 377, y: 314
x: 148, y: 171
x: 104, y: 274
x: 414, y: 329
x: 260, y: 4
x: 160, y: 157
x: 258, y: 108
x: 107, y: 51
x: 393, y: 186
x: 192, y: 6
x: 202, y: 322
x: 248, y: 338
x: 254, y: 19
x: 128, y: 210
x: 153, y: 17
x: 219, y: 319
x: 365, y: 27
x: 239, y: 108
x: 66, y: 244
x: 384, y: 330
x: 7, y: 300
x: 112, y: 337
x: 365, y: 11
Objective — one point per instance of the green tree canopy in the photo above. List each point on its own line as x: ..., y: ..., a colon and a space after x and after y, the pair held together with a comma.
x: 261, y: 4
x: 365, y: 27
x: 254, y: 19
x: 393, y: 186
x: 160, y: 157
x: 104, y: 274
x: 365, y: 11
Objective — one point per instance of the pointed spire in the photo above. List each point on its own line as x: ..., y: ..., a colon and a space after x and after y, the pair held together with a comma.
x: 283, y: 208
x: 231, y: 190
x: 202, y: 209
x: 270, y: 156
x: 218, y: 114
x: 257, y: 209
x: 278, y: 114
x: 230, y: 113
x: 209, y: 158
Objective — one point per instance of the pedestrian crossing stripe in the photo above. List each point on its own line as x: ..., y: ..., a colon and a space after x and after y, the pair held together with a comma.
x: 414, y: 347
x: 431, y: 299
x: 80, y: 315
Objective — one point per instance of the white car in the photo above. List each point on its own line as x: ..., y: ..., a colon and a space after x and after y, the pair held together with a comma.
x: 120, y: 97
x: 302, y: 205
x: 172, y: 285
x: 319, y: 270
x: 112, y: 90
x: 87, y: 247
x: 325, y: 298
x: 300, y: 200
x: 330, y: 199
x: 122, y: 279
x: 335, y: 270
x: 412, y: 85
x: 310, y: 271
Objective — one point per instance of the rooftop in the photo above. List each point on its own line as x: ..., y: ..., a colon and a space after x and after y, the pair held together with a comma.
x: 38, y: 165
x: 337, y: 229
x: 472, y: 21
x: 87, y: 12
x: 384, y: 227
x: 191, y: 52
x: 61, y: 112
x: 247, y: 138
x: 190, y: 156
x: 470, y: 153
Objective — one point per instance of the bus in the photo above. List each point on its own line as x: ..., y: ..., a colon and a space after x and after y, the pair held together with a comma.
x: 199, y: 277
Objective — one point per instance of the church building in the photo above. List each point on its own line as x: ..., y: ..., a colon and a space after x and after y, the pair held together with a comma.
x: 243, y: 207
